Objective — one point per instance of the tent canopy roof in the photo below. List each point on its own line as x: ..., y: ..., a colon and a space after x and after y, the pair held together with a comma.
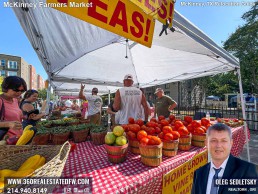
x: 74, y: 51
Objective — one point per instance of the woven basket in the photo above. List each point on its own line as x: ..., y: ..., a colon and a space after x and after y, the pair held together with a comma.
x: 184, y: 143
x: 80, y: 136
x: 41, y: 139
x: 98, y: 138
x: 134, y: 146
x: 198, y: 140
x: 116, y: 154
x: 59, y: 139
x: 170, y: 148
x: 151, y: 155
x: 12, y: 157
x: 84, y: 121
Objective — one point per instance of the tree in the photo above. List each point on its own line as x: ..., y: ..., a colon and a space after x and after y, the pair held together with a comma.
x: 243, y: 44
x: 43, y: 94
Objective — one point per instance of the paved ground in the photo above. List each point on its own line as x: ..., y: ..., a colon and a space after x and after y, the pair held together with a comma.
x: 253, y: 149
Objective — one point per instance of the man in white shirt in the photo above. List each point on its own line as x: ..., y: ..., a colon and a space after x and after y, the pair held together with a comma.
x: 68, y: 103
x: 95, y: 104
x: 128, y: 101
x: 219, y: 143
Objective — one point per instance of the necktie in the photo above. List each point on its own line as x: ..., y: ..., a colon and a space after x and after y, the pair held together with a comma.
x: 214, y: 188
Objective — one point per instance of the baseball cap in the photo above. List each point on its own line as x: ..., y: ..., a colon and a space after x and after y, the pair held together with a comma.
x: 158, y: 90
x: 128, y: 76
x: 95, y: 90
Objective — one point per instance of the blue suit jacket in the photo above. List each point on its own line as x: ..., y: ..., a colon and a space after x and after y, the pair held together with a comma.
x: 235, y: 168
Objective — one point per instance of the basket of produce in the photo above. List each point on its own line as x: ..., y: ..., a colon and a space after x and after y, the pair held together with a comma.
x: 184, y: 142
x: 71, y: 121
x: 97, y: 134
x: 79, y: 132
x: 151, y: 150
x: 116, y: 146
x: 84, y: 121
x: 170, y: 147
x: 42, y: 136
x: 47, y: 124
x: 198, y: 140
x: 59, y: 135
x: 32, y: 160
x: 59, y: 122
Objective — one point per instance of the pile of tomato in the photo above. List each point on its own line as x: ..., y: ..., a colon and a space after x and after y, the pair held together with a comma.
x: 157, y: 130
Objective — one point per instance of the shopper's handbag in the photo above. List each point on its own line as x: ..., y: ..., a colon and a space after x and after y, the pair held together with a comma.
x: 3, y: 130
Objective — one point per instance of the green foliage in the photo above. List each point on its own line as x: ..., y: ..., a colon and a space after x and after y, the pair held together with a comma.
x: 243, y: 45
x: 43, y: 94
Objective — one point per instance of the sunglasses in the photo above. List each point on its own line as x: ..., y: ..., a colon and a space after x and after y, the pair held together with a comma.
x: 17, y: 90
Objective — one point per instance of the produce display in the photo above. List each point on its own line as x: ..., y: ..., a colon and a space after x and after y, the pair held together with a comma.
x: 232, y: 122
x: 116, y: 145
x: 27, y: 168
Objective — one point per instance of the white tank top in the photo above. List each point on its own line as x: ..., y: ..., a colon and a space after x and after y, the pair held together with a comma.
x: 131, y: 98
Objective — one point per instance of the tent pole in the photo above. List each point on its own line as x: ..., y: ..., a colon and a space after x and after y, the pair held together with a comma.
x: 48, y: 95
x: 243, y: 111
x: 109, y: 123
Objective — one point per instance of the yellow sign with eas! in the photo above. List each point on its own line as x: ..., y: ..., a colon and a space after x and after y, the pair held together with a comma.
x: 121, y: 17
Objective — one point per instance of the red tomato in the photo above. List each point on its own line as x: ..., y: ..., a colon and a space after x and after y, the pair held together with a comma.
x: 175, y: 134
x: 199, y: 130
x: 131, y: 135
x: 153, y: 120
x: 151, y: 124
x: 73, y: 146
x: 125, y: 127
x: 172, y: 117
x: 131, y: 120
x: 185, y: 123
x: 164, y: 122
x: 168, y: 136
x: 161, y: 117
x: 157, y: 140
x: 134, y: 128
x: 196, y: 124
x: 178, y: 124
x: 144, y: 141
x: 141, y: 134
x: 188, y: 119
x: 143, y: 127
x: 139, y: 122
x: 205, y: 121
x: 190, y: 128
x: 219, y: 120
x: 183, y: 131
x: 161, y: 135
x: 157, y: 130
x: 167, y: 129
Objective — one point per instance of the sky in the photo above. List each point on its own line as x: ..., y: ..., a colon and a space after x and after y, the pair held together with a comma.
x: 217, y: 21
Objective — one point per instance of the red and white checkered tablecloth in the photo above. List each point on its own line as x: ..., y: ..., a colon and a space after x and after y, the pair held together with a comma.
x: 239, y: 140
x: 130, y: 176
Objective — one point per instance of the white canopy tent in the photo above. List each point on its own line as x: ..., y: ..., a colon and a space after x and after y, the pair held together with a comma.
x: 73, y: 51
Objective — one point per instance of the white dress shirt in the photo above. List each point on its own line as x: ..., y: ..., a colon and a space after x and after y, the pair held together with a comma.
x: 212, y: 173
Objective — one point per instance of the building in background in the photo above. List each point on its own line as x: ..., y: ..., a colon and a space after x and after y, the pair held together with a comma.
x: 41, y: 82
x: 16, y: 66
x: 33, y: 78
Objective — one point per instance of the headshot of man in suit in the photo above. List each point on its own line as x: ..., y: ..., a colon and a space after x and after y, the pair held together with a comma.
x: 223, y: 165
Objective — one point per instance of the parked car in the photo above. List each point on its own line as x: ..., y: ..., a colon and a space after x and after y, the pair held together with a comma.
x: 213, y: 98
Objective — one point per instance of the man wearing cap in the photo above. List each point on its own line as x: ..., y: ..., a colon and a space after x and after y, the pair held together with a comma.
x: 164, y: 104
x: 128, y: 101
x: 95, y: 103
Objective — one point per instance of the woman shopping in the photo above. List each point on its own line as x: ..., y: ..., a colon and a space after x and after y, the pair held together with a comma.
x: 30, y: 114
x: 10, y: 113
